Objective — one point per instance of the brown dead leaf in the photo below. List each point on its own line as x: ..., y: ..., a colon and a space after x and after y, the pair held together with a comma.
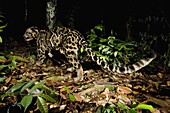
x: 160, y: 75
x: 57, y: 78
x: 113, y: 100
x: 106, y: 93
x: 136, y: 92
x: 124, y: 99
x: 163, y: 110
x: 2, y: 104
x: 137, y: 87
x: 4, y: 61
x: 13, y: 81
x: 159, y: 102
x: 155, y: 111
x: 63, y: 90
x: 168, y: 83
x: 8, y: 79
x: 123, y: 90
x: 63, y: 96
x: 77, y: 97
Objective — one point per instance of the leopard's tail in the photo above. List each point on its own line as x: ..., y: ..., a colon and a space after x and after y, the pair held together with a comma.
x: 127, y: 69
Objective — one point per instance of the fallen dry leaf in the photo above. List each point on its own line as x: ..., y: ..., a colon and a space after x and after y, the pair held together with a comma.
x: 77, y: 97
x: 123, y: 90
x: 8, y: 79
x: 63, y: 96
x: 124, y: 99
x: 168, y: 83
x: 159, y: 102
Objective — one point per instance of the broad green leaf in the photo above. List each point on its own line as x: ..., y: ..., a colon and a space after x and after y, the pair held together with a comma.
x: 103, y: 40
x: 2, y: 66
x: 47, y: 97
x: 112, y: 106
x: 3, y: 96
x: 20, y: 58
x: 12, y: 64
x: 26, y: 101
x: 1, y: 27
x: 111, y: 38
x: 38, y: 85
x: 67, y: 89
x: 144, y: 106
x: 134, y: 105
x: 132, y: 111
x: 42, y: 105
x: 107, y: 111
x: 105, y: 50
x: 169, y: 64
x: 0, y: 38
x: 98, y: 110
x: 2, y: 79
x: 115, y: 53
x: 2, y: 16
x: 2, y: 58
x: 30, y: 83
x: 16, y: 86
x: 13, y: 58
x: 102, y: 47
x: 72, y: 98
x: 122, y: 106
x: 99, y: 27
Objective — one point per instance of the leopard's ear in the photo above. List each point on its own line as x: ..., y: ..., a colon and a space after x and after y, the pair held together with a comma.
x: 34, y: 28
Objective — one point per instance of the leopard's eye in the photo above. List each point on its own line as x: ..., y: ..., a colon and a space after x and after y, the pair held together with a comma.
x: 28, y: 33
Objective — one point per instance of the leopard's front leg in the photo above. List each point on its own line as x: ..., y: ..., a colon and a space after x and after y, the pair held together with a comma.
x: 40, y: 56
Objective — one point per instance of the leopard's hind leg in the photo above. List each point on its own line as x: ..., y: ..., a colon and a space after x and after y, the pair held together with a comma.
x: 74, y: 61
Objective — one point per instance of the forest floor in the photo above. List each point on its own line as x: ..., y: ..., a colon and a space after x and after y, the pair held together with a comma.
x: 100, y: 91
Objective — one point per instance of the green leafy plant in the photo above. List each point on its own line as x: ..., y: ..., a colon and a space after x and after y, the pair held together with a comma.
x: 1, y: 27
x: 135, y: 107
x: 111, y: 49
x: 106, y: 109
x: 30, y: 91
x: 2, y: 79
x: 9, y: 64
x: 113, y: 108
x: 0, y: 39
x: 71, y: 96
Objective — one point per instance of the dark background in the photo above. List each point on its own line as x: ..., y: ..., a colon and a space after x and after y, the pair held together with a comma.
x: 87, y: 13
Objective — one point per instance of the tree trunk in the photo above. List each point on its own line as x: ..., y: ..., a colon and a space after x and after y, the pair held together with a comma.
x: 51, y: 13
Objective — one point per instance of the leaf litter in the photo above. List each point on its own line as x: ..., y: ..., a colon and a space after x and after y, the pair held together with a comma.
x: 99, y: 88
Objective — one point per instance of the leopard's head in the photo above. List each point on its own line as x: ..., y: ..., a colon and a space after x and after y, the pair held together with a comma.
x: 31, y: 33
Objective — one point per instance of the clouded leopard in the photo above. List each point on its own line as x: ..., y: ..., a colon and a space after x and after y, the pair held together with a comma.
x: 68, y: 42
